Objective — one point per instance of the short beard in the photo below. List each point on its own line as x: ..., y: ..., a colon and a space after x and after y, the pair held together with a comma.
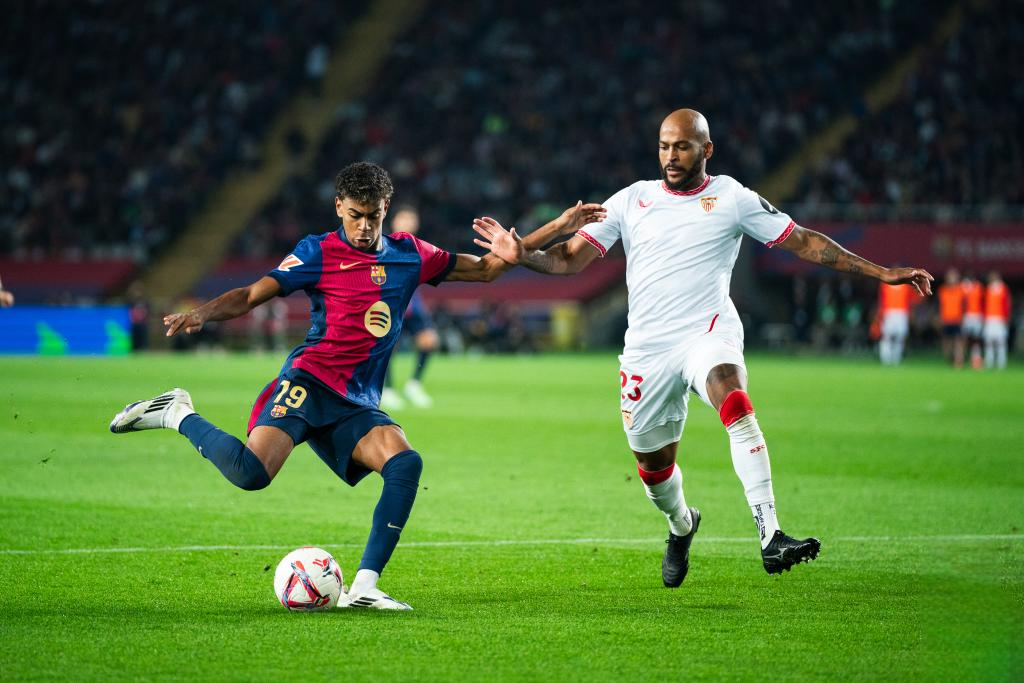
x: 688, y: 178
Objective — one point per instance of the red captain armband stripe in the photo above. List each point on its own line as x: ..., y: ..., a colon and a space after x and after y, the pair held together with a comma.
x: 735, y: 406
x: 597, y: 245
x: 781, y: 238
x: 653, y: 478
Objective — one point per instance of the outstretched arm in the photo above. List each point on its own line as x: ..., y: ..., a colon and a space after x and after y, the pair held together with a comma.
x: 231, y: 304
x: 814, y: 247
x: 508, y: 249
x: 564, y: 258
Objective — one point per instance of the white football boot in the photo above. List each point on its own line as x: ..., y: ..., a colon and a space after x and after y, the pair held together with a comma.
x: 165, y: 411
x: 417, y: 396
x: 370, y: 598
x: 391, y: 400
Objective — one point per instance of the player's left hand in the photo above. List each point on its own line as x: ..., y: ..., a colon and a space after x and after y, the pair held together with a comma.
x: 920, y: 278
x: 575, y: 217
x: 505, y: 244
x: 190, y: 323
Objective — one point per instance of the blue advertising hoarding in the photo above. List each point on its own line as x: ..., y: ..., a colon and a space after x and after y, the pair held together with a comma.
x: 60, y: 330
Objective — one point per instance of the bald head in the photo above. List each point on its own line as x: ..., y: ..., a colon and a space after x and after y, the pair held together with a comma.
x: 686, y: 123
x: 684, y: 146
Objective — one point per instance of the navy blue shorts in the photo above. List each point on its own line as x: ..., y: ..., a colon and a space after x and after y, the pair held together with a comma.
x: 951, y: 330
x: 298, y: 404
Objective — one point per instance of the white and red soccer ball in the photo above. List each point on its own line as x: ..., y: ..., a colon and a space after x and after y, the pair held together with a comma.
x: 308, y: 579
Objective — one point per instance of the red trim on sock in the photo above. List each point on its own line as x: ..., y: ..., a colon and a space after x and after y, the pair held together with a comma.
x: 652, y: 478
x: 736, y: 405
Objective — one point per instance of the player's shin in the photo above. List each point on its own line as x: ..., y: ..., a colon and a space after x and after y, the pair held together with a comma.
x: 750, y: 460
x: 665, y: 489
x: 401, y: 476
x: 237, y: 463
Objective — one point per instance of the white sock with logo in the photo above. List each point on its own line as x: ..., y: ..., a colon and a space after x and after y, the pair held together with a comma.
x: 750, y: 460
x: 665, y: 489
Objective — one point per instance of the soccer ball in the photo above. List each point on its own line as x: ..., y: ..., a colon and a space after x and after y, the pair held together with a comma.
x: 308, y: 579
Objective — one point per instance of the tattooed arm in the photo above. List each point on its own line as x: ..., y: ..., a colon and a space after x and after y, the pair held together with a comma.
x: 817, y: 248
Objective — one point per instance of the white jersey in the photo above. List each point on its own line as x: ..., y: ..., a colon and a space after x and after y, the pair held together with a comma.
x: 680, y: 251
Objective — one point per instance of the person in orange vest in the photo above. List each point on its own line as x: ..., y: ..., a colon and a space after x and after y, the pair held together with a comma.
x: 997, y: 321
x: 974, y: 302
x: 951, y: 316
x: 894, y: 311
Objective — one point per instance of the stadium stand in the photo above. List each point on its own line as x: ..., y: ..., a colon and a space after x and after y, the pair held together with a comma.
x: 122, y: 117
x: 954, y: 136
x: 499, y: 120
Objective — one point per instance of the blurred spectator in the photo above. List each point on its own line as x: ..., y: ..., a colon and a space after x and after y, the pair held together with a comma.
x: 138, y: 316
x: 476, y: 112
x: 955, y: 135
x: 120, y: 118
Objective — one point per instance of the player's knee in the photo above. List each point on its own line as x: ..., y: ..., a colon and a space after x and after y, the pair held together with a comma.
x: 405, y: 466
x: 735, y: 406
x: 253, y: 482
x: 250, y: 474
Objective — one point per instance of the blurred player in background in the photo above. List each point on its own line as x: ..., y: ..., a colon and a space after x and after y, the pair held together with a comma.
x: 894, y: 311
x: 359, y: 284
x: 997, y: 321
x: 6, y: 298
x: 419, y: 324
x: 681, y: 236
x: 974, y: 317
x: 951, y: 317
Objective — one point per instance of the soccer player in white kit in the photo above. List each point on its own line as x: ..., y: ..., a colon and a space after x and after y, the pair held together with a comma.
x: 681, y: 235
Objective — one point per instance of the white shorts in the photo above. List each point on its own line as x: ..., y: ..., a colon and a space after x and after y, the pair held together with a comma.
x: 995, y: 330
x: 972, y: 325
x: 655, y: 385
x: 895, y: 324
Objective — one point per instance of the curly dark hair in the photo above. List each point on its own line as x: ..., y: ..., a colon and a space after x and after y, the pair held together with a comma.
x: 363, y: 182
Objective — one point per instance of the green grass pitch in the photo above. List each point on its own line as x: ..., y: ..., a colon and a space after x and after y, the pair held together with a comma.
x: 532, y: 552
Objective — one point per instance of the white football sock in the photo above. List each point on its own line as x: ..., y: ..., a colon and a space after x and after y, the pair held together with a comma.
x: 750, y: 460
x: 364, y: 580
x: 667, y: 495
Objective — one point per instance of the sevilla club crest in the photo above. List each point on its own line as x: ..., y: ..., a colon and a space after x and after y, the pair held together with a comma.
x: 708, y: 203
x: 377, y: 275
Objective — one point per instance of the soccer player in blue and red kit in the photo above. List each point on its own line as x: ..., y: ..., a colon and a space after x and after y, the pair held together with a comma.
x: 359, y: 284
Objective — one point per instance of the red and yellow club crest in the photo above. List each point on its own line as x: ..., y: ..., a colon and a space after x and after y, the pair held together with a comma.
x: 627, y: 417
x: 708, y: 203
x: 377, y: 275
x: 278, y: 411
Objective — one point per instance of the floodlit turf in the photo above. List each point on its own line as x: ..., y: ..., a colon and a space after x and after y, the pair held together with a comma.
x: 912, y: 478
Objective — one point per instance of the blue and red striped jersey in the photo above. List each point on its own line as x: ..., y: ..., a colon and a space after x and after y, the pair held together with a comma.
x: 357, y: 301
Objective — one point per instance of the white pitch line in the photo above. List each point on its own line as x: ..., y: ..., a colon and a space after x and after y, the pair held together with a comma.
x: 962, y: 538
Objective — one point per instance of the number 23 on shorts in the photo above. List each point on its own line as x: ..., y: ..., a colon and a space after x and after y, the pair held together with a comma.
x: 295, y: 394
x: 632, y: 392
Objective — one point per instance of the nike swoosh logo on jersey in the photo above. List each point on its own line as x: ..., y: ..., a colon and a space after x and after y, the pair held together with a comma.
x: 346, y: 266
x: 645, y: 205
x: 392, y: 526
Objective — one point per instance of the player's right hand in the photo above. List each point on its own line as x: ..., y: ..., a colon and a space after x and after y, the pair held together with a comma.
x: 189, y: 322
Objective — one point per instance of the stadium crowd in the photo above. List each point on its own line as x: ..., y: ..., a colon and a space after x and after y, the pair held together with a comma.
x: 121, y: 117
x: 516, y: 113
x: 955, y: 135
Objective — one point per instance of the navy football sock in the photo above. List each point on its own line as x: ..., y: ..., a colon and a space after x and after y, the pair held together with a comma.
x: 237, y: 463
x: 401, y: 479
x: 421, y: 364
